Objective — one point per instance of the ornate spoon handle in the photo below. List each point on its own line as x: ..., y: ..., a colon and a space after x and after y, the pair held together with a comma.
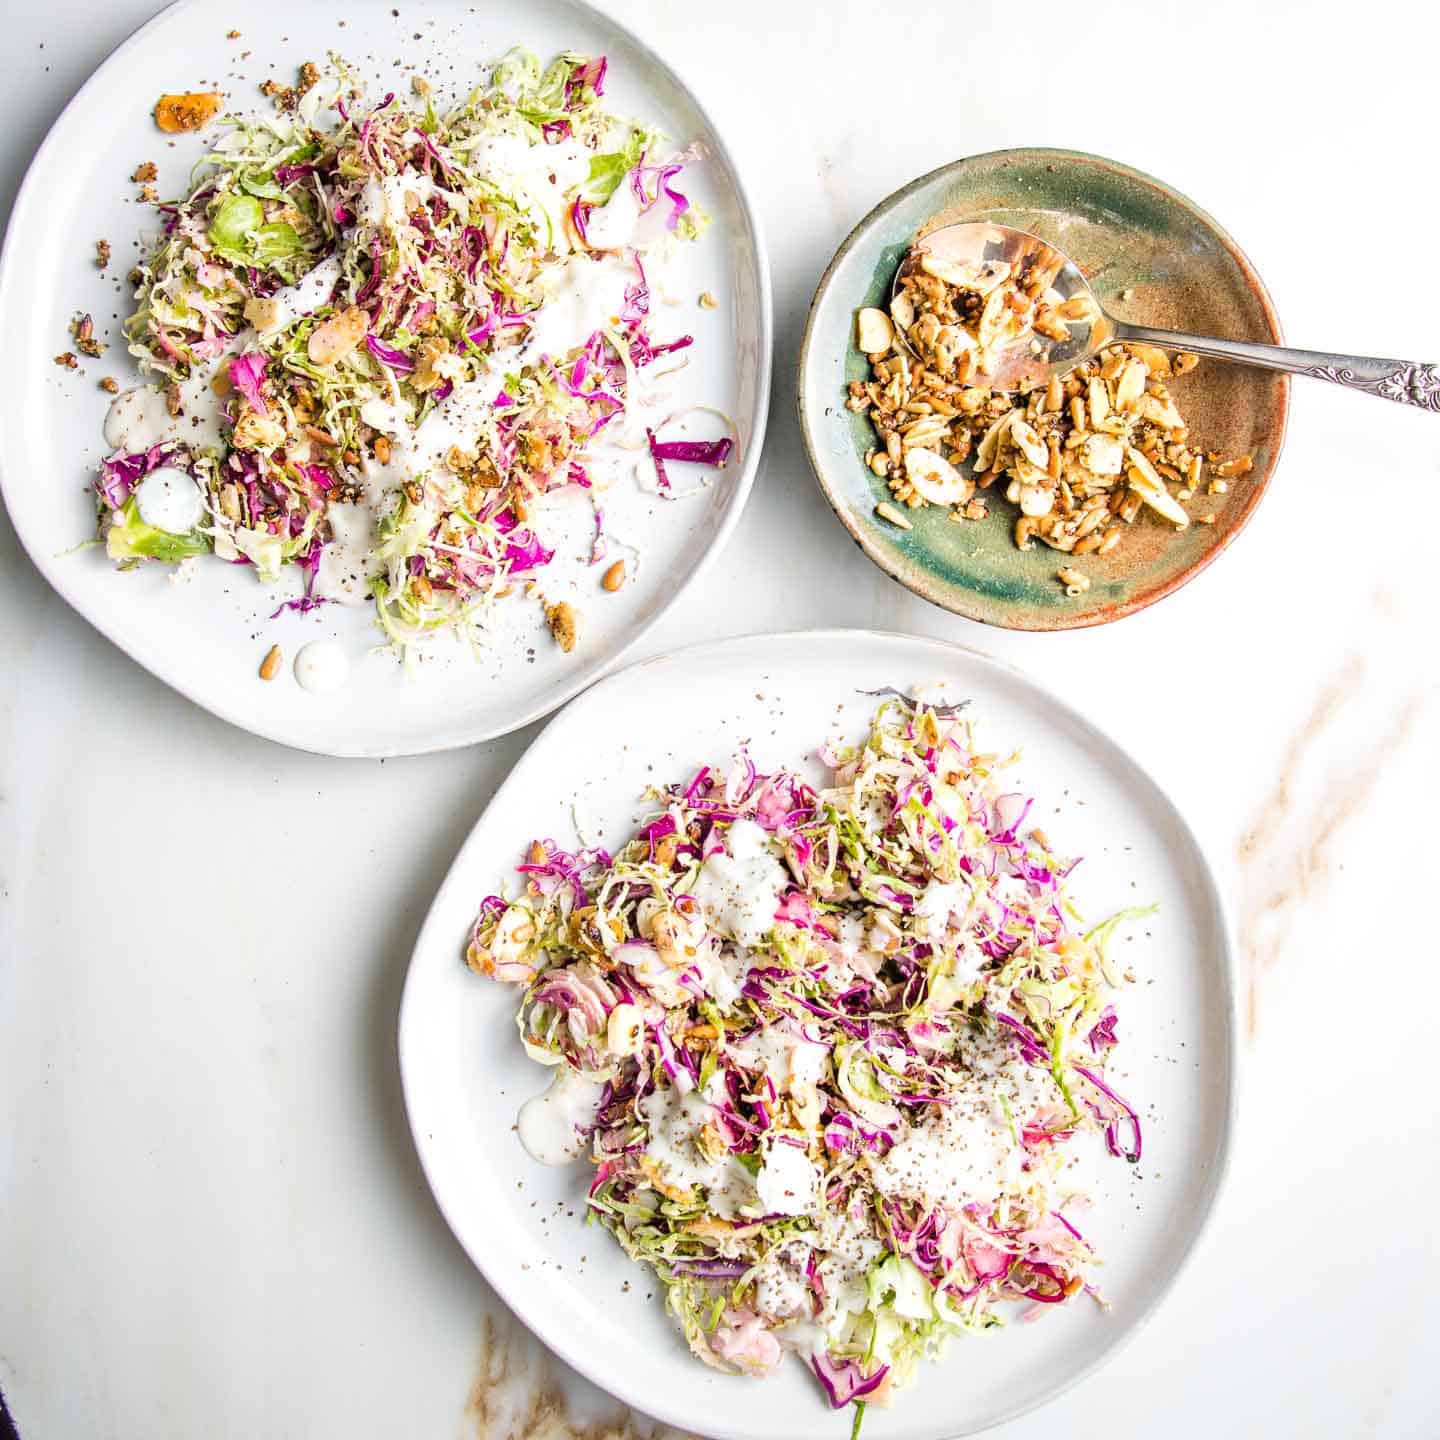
x: 1404, y: 380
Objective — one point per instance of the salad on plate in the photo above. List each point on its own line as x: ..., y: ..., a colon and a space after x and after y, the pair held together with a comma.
x: 830, y: 1049
x: 378, y: 335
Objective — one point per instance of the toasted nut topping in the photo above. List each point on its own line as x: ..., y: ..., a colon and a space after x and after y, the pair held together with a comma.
x: 888, y: 512
x: 191, y: 111
x: 614, y: 577
x: 382, y: 449
x: 564, y: 624
x: 708, y: 301
x: 270, y: 665
x: 874, y: 333
x: 338, y: 336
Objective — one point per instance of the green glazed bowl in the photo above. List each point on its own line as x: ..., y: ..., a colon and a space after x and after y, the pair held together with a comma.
x: 1133, y: 237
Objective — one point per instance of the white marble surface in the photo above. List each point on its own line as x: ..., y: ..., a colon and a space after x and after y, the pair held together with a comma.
x: 211, y: 1218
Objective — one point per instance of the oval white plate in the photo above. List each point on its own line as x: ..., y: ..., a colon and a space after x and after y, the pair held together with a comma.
x: 465, y: 1074
x: 207, y: 637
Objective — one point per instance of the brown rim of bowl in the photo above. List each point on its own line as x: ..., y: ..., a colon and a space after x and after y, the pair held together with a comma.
x: 1252, y: 279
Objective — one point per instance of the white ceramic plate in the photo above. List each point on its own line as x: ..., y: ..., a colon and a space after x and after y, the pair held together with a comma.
x: 206, y: 638
x: 465, y: 1074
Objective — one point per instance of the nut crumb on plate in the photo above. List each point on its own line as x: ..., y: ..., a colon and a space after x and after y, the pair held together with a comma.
x: 564, y: 623
x: 270, y: 665
x: 614, y: 577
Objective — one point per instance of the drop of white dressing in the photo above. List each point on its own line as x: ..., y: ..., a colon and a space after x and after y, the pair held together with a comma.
x: 551, y: 1123
x: 168, y: 499
x: 740, y: 892
x: 321, y: 667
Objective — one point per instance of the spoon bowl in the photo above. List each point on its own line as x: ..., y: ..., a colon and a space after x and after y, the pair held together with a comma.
x: 984, y: 252
x: 977, y: 247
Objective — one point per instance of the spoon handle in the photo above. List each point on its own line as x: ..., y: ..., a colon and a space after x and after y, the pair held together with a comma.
x: 1404, y: 380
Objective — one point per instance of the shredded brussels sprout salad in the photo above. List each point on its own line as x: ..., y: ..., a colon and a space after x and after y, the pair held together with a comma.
x: 378, y: 334
x: 828, y: 1050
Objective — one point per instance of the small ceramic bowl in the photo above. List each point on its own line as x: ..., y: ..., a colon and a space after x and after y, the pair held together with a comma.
x: 1154, y: 258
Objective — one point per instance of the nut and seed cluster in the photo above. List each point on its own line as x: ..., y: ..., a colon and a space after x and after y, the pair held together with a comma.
x: 1079, y: 456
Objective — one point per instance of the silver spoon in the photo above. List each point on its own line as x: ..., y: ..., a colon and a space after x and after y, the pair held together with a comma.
x: 1037, y: 357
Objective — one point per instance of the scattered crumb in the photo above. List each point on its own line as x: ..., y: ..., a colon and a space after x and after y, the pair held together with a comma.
x: 564, y: 623
x: 146, y: 170
x: 68, y: 360
x: 110, y: 385
x: 309, y: 74
x: 270, y: 665
x: 83, y: 329
x: 708, y: 301
x: 148, y: 194
x: 232, y: 34
x: 102, y: 253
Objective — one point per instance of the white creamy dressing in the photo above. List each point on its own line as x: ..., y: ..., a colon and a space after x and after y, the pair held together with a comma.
x: 536, y: 177
x: 675, y: 1122
x: 722, y: 971
x: 551, y: 1123
x: 321, y: 667
x: 788, y: 1182
x: 312, y: 290
x: 938, y: 900
x: 169, y: 499
x: 620, y: 222
x: 139, y: 419
x: 790, y: 1062
x: 966, y: 1151
x: 588, y: 295
x: 740, y: 892
x: 347, y: 563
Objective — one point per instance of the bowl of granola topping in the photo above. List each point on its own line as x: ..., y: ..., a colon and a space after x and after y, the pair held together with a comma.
x: 1071, y: 501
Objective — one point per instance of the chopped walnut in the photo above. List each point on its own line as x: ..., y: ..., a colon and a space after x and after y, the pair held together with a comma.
x: 146, y: 170
x: 67, y: 359
x: 102, y: 253
x: 148, y: 194
x: 309, y: 74
x: 110, y: 385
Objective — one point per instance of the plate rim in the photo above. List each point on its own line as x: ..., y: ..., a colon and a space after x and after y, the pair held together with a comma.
x: 512, y: 1295
x: 862, y: 537
x: 173, y: 674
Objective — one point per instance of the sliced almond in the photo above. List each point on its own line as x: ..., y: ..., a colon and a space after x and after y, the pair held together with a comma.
x: 1145, y: 481
x: 990, y: 440
x: 1156, y: 360
x: 1103, y: 455
x: 1099, y: 398
x: 874, y: 333
x: 337, y: 337
x: 902, y: 311
x: 1130, y: 386
x: 981, y: 276
x: 263, y: 314
x: 1162, y: 413
x: 1031, y: 445
x: 1036, y: 500
x: 935, y: 479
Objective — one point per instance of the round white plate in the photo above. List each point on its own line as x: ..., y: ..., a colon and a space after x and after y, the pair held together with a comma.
x: 465, y: 1074
x: 207, y: 637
